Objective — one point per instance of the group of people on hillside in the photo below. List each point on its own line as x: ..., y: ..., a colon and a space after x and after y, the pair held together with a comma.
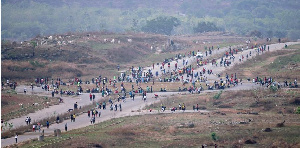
x: 267, y: 82
x: 190, y: 73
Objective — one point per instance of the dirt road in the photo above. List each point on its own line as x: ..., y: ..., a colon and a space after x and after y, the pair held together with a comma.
x: 129, y: 107
x: 216, y: 69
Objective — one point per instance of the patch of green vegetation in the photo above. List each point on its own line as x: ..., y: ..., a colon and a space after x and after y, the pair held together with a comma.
x: 19, y: 68
x: 218, y: 95
x: 298, y: 110
x: 154, y: 58
x: 101, y: 46
x: 281, y: 62
x: 296, y: 46
x: 37, y: 64
x: 11, y: 91
x: 273, y: 88
x: 226, y: 44
x: 214, y: 136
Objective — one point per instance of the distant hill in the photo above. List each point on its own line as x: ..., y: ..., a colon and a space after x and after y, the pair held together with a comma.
x: 25, y: 19
x: 92, y: 54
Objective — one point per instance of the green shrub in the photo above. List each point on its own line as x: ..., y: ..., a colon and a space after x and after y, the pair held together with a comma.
x: 213, y: 136
x: 217, y: 96
x: 298, y: 110
x: 273, y: 88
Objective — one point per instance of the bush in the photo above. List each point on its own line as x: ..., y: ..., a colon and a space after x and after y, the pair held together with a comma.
x: 205, y: 27
x: 217, y: 96
x: 295, y: 101
x: 273, y: 88
x: 214, y: 136
x: 298, y: 110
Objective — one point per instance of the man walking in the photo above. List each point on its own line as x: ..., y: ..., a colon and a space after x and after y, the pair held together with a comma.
x: 16, y: 137
x: 66, y: 127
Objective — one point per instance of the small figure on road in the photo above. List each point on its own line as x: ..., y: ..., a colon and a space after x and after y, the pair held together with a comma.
x: 16, y: 137
x: 47, y: 123
x: 66, y: 127
x: 57, y: 119
x: 26, y: 120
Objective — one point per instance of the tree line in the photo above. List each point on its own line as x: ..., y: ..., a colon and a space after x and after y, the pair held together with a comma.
x: 25, y: 19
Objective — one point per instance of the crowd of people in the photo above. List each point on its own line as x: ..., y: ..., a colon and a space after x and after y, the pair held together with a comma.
x: 169, y: 71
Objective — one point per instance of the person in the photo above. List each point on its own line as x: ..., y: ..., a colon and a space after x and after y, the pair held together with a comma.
x: 47, y: 123
x: 89, y: 113
x: 26, y: 120
x: 120, y: 107
x: 33, y: 128
x: 104, y: 105
x: 25, y: 90
x: 66, y: 127
x: 75, y: 106
x: 91, y: 120
x: 133, y: 94
x: 99, y: 113
x: 39, y: 126
x: 57, y: 119
x: 29, y: 120
x: 16, y: 137
x: 183, y: 107
x: 74, y: 117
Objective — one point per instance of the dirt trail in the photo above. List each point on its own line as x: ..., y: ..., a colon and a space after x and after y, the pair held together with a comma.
x: 216, y: 69
x: 129, y: 107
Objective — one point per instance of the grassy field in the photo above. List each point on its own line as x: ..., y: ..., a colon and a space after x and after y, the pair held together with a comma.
x: 255, y: 100
x: 15, y: 105
x: 231, y: 126
x: 280, y: 65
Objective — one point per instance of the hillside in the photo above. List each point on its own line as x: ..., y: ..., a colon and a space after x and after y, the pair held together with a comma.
x: 25, y: 19
x: 96, y: 53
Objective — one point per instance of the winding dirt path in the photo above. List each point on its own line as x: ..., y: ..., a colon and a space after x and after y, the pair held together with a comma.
x: 130, y: 108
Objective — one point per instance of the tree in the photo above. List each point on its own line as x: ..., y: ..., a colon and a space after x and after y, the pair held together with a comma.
x: 34, y: 44
x: 205, y: 27
x: 270, y: 33
x: 256, y: 33
x: 280, y: 34
x: 161, y: 25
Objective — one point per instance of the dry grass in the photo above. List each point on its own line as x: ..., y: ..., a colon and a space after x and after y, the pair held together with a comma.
x: 165, y: 131
x: 92, y: 57
x: 11, y: 104
x: 233, y: 126
x: 281, y: 65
